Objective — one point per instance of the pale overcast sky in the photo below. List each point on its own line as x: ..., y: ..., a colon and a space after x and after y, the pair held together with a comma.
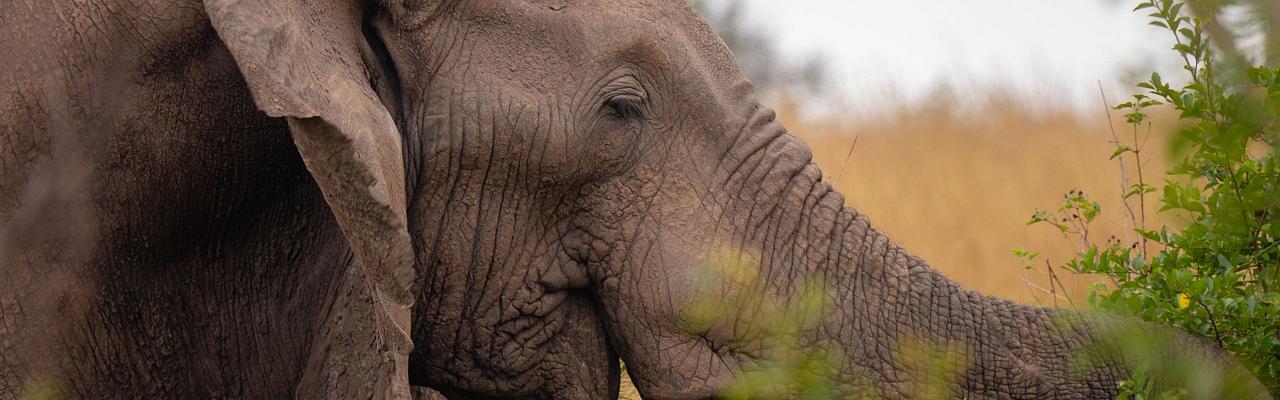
x: 907, y: 47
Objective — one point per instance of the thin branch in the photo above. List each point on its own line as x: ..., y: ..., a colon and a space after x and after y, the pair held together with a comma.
x: 1214, y: 323
x: 1142, y: 187
x: 847, y: 157
x: 1033, y: 286
x: 1124, y: 177
x: 1053, y: 277
x: 1052, y: 291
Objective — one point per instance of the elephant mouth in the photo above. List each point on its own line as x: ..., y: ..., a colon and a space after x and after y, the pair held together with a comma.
x: 557, y: 349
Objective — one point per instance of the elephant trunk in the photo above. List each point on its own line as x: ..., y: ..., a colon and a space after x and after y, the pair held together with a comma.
x: 916, y: 334
x: 899, y: 326
x: 893, y: 319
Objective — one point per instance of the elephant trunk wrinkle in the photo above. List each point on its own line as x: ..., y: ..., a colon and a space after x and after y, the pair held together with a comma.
x: 884, y: 301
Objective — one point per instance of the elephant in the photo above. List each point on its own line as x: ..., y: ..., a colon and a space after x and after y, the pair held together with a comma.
x: 489, y: 198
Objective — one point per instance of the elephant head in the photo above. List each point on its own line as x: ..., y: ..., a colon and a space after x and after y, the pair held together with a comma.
x: 537, y: 183
x: 553, y: 167
x: 570, y: 164
x: 476, y: 141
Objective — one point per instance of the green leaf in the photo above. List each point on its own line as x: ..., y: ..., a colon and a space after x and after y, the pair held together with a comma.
x: 1120, y: 149
x: 1186, y: 32
x: 1138, y: 189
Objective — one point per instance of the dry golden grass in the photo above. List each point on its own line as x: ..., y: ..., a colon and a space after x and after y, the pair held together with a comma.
x: 958, y: 187
x: 627, y: 391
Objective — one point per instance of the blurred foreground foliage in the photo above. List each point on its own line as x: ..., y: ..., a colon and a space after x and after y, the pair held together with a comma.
x: 1216, y: 272
x: 737, y: 305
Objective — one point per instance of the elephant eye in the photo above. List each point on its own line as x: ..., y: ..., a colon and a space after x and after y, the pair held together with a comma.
x: 624, y: 106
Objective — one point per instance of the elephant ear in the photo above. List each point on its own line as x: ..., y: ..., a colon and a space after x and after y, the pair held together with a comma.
x: 302, y: 61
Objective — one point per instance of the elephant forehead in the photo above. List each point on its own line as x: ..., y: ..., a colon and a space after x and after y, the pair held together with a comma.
x: 554, y: 37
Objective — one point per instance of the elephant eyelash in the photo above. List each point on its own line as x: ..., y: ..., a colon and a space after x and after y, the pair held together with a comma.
x: 625, y: 106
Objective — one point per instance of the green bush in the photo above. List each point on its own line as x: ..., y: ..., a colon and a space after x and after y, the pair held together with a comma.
x: 1215, y: 273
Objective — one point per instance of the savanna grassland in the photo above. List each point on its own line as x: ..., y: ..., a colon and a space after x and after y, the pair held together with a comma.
x: 957, y: 187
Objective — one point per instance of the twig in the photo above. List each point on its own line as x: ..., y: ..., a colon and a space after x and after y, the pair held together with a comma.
x: 1053, y: 277
x: 1052, y: 292
x: 847, y: 157
x: 1084, y: 228
x: 1124, y: 177
x: 1216, y: 335
x: 1033, y: 286
x: 1142, y: 187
